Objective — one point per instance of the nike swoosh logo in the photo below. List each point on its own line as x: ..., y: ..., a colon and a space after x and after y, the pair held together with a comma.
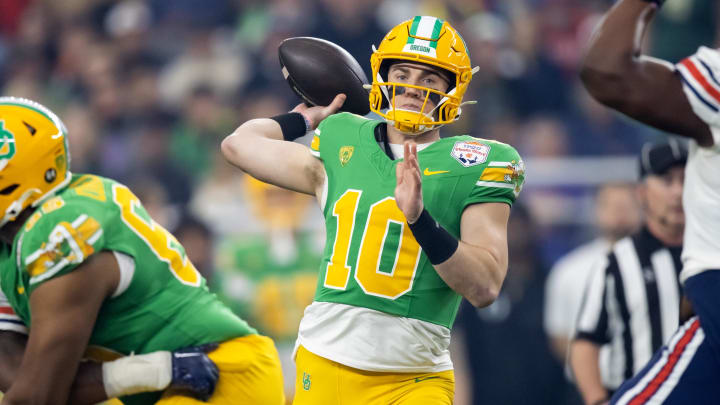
x: 418, y: 379
x: 427, y: 172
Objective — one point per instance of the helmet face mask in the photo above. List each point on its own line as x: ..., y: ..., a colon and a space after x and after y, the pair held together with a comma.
x: 421, y: 112
x: 34, y: 156
x: 426, y: 41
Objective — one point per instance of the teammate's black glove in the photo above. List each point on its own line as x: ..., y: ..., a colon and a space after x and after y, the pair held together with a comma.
x: 194, y: 372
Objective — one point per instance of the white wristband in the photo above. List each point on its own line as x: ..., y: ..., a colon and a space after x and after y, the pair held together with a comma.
x: 137, y: 373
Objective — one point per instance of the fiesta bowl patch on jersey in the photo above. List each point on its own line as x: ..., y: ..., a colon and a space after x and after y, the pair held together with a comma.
x: 470, y: 153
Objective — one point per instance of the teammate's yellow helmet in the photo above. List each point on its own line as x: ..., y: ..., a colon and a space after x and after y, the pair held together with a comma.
x: 34, y: 156
x: 430, y: 41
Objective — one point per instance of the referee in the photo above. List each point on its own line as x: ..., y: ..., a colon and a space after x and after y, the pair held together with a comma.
x: 631, y: 305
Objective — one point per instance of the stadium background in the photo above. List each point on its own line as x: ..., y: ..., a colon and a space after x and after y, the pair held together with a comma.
x: 149, y: 88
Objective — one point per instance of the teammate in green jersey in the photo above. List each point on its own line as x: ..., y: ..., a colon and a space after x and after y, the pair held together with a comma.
x: 90, y: 274
x: 414, y: 222
x: 268, y: 276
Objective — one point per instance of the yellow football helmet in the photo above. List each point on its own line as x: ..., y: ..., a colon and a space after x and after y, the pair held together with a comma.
x: 430, y: 41
x: 34, y: 156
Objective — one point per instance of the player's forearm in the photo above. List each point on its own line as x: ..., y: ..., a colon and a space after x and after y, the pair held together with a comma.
x: 83, y: 392
x: 46, y: 375
x: 259, y: 148
x: 88, y: 385
x: 12, y: 346
x: 29, y: 389
x: 584, y: 362
x: 475, y: 272
x: 612, y: 65
x: 239, y: 147
x: 558, y: 347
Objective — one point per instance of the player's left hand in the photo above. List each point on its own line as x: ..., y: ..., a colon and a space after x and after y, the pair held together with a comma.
x: 408, y: 191
x: 193, y: 371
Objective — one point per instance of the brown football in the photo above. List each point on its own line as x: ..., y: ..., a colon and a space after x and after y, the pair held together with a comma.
x: 317, y: 70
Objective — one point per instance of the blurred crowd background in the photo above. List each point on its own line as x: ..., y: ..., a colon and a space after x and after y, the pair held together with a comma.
x: 149, y: 88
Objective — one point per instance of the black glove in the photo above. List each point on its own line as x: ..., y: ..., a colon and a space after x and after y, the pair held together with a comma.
x: 193, y: 371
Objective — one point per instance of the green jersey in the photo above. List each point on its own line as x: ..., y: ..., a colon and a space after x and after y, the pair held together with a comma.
x: 371, y: 258
x: 163, y: 304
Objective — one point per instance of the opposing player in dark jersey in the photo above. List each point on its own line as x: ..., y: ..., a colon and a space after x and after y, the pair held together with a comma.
x: 414, y: 222
x: 683, y: 99
x: 89, y: 273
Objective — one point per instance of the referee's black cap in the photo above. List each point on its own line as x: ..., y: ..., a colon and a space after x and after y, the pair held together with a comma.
x: 657, y: 158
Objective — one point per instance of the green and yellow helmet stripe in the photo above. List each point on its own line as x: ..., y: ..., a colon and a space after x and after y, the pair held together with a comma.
x: 426, y: 29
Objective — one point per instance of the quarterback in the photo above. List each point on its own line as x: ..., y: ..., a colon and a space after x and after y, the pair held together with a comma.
x: 91, y: 275
x: 413, y: 222
x: 682, y: 99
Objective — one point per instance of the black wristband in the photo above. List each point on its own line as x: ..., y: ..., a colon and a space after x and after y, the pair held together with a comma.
x: 435, y: 241
x: 293, y: 125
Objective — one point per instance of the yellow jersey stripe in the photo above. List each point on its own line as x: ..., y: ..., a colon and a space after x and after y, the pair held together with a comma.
x: 495, y: 174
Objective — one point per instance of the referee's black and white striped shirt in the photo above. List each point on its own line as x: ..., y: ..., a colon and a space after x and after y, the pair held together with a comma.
x: 631, y: 305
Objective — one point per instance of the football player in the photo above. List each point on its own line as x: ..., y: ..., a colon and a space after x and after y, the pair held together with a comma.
x: 682, y: 99
x: 414, y: 222
x: 85, y: 267
x: 279, y: 264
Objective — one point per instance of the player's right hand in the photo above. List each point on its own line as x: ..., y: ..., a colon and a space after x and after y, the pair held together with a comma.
x: 408, y: 190
x: 194, y: 372
x: 314, y: 115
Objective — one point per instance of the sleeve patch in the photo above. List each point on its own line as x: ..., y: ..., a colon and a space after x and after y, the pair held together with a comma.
x: 68, y: 243
x: 470, y: 153
x: 510, y: 175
